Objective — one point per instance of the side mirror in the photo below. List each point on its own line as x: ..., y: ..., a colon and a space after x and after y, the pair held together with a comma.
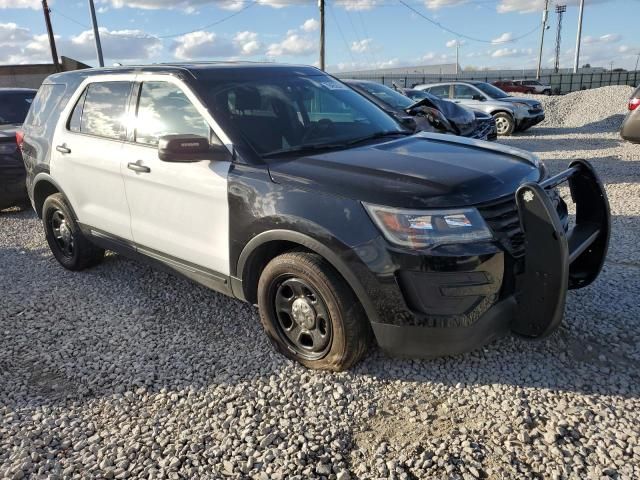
x: 189, y: 148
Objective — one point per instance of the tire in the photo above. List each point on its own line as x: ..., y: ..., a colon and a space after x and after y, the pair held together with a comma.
x: 67, y: 243
x: 299, y: 278
x: 505, y: 123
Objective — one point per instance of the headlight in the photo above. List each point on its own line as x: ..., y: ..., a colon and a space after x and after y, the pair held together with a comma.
x: 526, y: 106
x: 428, y: 228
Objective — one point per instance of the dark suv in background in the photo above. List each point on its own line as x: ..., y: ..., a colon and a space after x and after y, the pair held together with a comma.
x: 14, y: 105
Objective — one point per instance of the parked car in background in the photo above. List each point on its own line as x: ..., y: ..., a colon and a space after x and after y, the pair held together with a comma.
x: 427, y: 113
x: 283, y: 187
x: 510, y: 86
x: 630, y: 130
x: 538, y: 87
x: 511, y: 113
x: 14, y: 105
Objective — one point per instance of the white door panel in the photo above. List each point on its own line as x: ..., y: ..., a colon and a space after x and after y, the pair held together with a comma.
x: 179, y: 209
x: 90, y: 177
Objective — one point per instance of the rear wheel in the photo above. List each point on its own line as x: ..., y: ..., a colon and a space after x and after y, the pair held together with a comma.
x: 505, y: 124
x: 310, y: 313
x: 67, y: 243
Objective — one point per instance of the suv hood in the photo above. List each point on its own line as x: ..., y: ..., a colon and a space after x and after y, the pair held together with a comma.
x: 534, y: 104
x: 427, y: 170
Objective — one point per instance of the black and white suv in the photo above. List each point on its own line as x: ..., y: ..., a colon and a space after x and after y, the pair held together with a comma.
x: 281, y: 186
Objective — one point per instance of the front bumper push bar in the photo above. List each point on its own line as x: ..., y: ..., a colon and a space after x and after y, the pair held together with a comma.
x: 556, y: 261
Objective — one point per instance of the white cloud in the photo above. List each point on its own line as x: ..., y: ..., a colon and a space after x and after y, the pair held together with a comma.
x: 511, y: 52
x: 504, y: 38
x: 608, y: 38
x: 452, y: 43
x: 361, y: 46
x: 20, y: 45
x: 527, y: 6
x: 35, y: 4
x: 247, y: 42
x: 436, y: 4
x: 12, y: 34
x: 355, y: 5
x: 201, y: 44
x: 310, y: 25
x: 293, y: 44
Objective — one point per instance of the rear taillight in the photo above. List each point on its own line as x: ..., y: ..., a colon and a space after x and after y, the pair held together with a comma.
x: 634, y: 103
x: 20, y: 138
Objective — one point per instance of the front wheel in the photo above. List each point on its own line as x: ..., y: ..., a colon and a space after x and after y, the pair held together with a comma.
x: 505, y: 124
x: 67, y: 243
x: 311, y: 314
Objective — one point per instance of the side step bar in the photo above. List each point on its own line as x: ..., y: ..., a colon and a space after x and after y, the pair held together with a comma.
x: 557, y: 261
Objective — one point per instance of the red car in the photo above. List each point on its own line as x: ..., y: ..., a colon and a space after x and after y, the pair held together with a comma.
x: 512, y: 87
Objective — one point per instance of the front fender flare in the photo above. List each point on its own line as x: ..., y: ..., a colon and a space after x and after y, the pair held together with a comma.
x: 328, y: 253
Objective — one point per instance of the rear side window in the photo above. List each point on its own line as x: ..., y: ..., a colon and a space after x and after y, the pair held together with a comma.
x: 44, y: 104
x: 441, y: 91
x: 164, y: 109
x: 464, y: 92
x: 14, y: 106
x: 76, y: 115
x: 104, y: 111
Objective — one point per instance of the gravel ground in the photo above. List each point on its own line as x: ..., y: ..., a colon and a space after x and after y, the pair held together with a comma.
x: 125, y: 372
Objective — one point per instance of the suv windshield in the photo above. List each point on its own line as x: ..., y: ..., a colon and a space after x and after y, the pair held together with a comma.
x: 493, y: 92
x: 387, y: 95
x: 281, y: 114
x: 14, y: 106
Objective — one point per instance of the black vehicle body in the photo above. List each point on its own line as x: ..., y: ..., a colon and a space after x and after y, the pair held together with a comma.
x: 14, y: 103
x: 630, y: 130
x: 457, y: 119
x: 420, y: 301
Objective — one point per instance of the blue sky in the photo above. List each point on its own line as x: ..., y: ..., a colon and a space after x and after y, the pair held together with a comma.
x: 360, y: 33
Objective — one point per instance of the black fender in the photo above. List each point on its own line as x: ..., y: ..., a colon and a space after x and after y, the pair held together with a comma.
x: 330, y: 254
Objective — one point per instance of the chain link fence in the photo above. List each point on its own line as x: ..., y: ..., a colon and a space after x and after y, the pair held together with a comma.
x: 560, y: 82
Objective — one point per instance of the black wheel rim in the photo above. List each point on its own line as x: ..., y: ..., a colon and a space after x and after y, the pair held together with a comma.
x: 62, y: 233
x: 302, y: 317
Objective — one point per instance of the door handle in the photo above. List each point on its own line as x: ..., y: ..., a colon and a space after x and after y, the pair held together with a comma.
x: 138, y: 167
x: 63, y: 148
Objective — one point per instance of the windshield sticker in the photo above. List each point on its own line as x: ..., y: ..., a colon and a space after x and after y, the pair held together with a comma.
x: 334, y: 86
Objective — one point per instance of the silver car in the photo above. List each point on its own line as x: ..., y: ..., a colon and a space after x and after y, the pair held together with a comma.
x: 511, y: 113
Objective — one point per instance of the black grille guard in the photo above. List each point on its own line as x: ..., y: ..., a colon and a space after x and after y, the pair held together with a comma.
x: 556, y: 261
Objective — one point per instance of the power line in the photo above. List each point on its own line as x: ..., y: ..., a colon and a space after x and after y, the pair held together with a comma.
x: 462, y: 35
x: 173, y: 35
x: 346, y: 44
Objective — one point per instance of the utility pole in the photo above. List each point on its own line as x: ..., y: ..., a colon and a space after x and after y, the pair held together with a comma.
x: 637, y: 61
x: 322, y: 59
x: 545, y: 17
x: 560, y: 9
x: 457, y: 55
x: 96, y: 33
x: 52, y: 39
x: 576, y: 62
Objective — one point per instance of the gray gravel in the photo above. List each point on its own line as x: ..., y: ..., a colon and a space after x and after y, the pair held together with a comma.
x: 125, y: 372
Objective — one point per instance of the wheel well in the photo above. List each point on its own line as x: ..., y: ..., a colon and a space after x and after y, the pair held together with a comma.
x: 502, y: 111
x: 41, y: 191
x: 259, y: 259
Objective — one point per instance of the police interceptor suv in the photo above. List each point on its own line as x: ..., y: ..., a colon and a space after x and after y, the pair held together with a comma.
x: 281, y: 186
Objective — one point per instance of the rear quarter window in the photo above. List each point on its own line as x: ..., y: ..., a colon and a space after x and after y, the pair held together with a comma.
x: 45, y: 103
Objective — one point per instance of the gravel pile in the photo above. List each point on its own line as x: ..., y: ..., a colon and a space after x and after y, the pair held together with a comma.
x: 594, y: 109
x: 125, y: 372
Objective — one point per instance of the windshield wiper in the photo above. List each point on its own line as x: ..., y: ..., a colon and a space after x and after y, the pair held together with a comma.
x: 313, y: 147
x: 373, y: 136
